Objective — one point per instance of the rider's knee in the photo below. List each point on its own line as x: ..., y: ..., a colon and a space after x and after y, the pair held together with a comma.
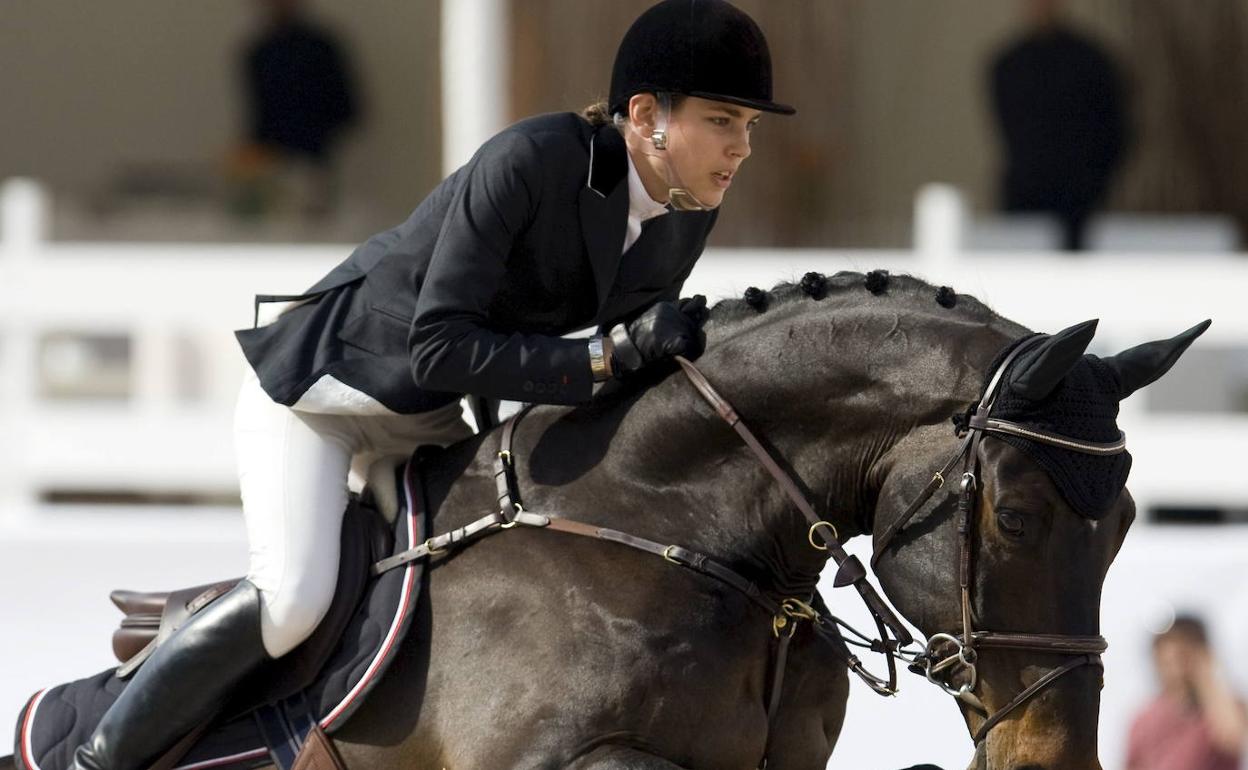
x: 289, y: 617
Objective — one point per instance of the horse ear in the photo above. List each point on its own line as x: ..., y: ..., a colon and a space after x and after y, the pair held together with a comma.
x: 1038, y: 371
x: 1144, y: 364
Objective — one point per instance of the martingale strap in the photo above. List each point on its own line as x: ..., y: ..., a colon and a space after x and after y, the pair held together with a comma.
x: 512, y: 513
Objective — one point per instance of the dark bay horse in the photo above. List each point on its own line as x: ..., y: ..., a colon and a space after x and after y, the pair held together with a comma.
x: 538, y: 649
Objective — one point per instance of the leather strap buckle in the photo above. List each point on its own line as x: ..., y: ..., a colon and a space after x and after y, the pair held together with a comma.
x: 512, y: 520
x: 431, y: 549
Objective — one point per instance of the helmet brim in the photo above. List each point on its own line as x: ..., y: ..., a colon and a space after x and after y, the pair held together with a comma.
x: 758, y: 104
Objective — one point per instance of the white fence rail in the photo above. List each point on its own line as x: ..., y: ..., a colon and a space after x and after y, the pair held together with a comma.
x: 177, y: 303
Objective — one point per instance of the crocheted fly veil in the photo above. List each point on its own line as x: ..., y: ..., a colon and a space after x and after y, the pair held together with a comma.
x: 1053, y: 386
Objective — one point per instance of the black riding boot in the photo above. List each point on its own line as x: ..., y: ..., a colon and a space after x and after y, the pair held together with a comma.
x: 186, y: 681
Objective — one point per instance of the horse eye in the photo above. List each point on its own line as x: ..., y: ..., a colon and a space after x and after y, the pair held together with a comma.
x: 1010, y: 522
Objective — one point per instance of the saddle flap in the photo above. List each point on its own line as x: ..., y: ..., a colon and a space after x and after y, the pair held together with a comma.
x: 157, y: 614
x: 60, y: 718
x: 153, y: 616
x: 129, y: 640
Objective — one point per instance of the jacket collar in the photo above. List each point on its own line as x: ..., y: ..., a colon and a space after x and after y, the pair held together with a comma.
x: 608, y: 160
x: 604, y: 207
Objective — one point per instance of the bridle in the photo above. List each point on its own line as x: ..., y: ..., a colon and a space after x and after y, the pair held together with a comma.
x: 1083, y: 650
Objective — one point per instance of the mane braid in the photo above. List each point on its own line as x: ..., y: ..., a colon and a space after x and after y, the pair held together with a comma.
x: 815, y: 284
x: 876, y: 281
x: 900, y: 287
x: 756, y: 298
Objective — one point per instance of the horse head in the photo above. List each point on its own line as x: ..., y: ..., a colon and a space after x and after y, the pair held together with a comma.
x: 1004, y: 572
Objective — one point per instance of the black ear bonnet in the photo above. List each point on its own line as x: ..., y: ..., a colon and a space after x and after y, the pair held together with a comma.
x: 1083, y: 405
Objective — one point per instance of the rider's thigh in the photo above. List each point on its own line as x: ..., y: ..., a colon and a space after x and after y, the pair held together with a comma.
x: 293, y: 478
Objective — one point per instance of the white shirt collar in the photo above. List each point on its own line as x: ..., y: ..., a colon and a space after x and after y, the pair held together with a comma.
x: 640, y: 205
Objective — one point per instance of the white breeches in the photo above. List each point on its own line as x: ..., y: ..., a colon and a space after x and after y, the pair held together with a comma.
x: 293, y: 468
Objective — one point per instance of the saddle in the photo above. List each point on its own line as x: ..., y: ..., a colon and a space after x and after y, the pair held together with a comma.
x: 283, y: 714
x: 151, y: 617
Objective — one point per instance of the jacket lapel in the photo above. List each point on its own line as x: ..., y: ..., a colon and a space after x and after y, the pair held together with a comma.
x: 604, y: 207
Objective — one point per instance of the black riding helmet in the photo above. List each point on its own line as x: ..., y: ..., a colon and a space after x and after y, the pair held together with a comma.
x: 704, y: 48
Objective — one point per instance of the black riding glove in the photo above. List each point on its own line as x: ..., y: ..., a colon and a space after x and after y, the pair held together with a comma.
x: 664, y: 330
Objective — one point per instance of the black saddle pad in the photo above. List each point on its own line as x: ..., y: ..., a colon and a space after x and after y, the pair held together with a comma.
x: 57, y: 720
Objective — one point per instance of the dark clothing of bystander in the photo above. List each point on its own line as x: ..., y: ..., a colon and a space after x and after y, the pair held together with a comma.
x: 1058, y: 100
x: 300, y: 92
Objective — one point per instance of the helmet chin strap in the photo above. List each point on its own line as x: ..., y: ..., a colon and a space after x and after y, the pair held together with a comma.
x: 679, y: 197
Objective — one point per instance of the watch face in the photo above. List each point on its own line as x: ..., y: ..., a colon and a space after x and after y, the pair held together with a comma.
x: 597, y: 359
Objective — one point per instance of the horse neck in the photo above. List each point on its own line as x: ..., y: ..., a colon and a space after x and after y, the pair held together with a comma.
x: 829, y: 390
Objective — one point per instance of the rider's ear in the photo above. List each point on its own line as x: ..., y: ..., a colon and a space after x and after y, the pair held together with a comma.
x: 1143, y: 364
x: 643, y: 112
x: 1039, y: 370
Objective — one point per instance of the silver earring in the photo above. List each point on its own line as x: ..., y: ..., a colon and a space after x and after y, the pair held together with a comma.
x: 659, y: 139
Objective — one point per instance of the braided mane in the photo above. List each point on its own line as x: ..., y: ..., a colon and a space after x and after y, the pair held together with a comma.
x: 848, y: 287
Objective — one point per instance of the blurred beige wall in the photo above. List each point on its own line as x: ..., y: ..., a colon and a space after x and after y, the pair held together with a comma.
x: 86, y: 87
x: 891, y: 95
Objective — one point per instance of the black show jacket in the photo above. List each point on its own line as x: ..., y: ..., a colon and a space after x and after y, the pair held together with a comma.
x: 469, y: 295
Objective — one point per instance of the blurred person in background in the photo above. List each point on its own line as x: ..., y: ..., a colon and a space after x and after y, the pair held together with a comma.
x: 559, y: 223
x: 300, y: 98
x: 1196, y: 722
x: 1058, y: 101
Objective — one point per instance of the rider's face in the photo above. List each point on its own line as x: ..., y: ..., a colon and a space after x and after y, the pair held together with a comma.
x: 707, y: 141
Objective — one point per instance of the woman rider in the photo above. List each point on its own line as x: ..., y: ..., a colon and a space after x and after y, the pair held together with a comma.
x: 558, y: 223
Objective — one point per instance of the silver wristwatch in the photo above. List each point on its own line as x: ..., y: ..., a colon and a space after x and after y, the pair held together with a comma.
x: 598, y: 359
